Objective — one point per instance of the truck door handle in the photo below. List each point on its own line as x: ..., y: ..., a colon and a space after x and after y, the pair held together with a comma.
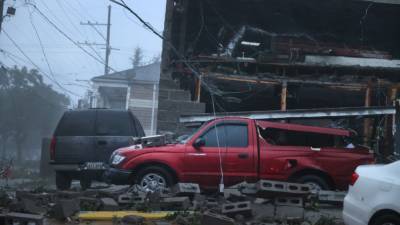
x: 243, y: 155
x: 102, y: 142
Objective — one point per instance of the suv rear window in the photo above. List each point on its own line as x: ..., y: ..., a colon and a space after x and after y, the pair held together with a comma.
x: 114, y: 123
x: 80, y: 123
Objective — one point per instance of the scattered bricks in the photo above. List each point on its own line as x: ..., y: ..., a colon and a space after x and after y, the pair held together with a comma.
x: 209, y: 218
x: 132, y: 220
x: 175, y: 203
x: 131, y: 198
x: 237, y: 208
x: 109, y: 204
x: 289, y: 201
x: 331, y: 197
x: 184, y: 189
x: 23, y: 218
x: 289, y: 212
x: 65, y: 208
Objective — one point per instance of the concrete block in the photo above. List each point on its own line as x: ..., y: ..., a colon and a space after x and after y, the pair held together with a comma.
x: 23, y: 218
x: 68, y: 194
x: 289, y: 212
x: 210, y: 218
x: 233, y: 195
x: 237, y: 208
x: 65, y: 208
x: 32, y: 206
x: 113, y: 191
x: 269, y: 187
x: 331, y: 196
x: 263, y: 211
x: 131, y: 198
x: 109, y: 204
x: 186, y: 189
x: 289, y: 201
x: 175, y: 203
x: 211, y: 202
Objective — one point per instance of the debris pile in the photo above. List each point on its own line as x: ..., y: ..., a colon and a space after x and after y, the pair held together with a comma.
x: 264, y: 202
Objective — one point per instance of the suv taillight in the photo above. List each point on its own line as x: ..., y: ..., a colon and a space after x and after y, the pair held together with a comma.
x: 53, y: 148
x: 354, y: 178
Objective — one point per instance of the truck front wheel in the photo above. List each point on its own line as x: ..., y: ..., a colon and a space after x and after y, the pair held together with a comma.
x: 63, y: 180
x: 154, y: 178
x: 316, y: 182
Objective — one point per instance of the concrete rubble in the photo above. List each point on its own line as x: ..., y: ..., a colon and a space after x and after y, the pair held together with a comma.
x: 264, y: 202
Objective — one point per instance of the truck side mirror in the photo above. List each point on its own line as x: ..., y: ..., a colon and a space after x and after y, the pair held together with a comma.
x: 199, y: 142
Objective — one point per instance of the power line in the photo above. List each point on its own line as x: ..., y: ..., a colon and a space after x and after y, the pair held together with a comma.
x: 41, y: 46
x: 37, y: 67
x: 69, y: 38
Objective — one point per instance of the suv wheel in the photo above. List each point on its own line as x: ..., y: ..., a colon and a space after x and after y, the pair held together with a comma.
x: 154, y: 178
x: 388, y: 219
x: 63, y: 181
x: 317, y: 183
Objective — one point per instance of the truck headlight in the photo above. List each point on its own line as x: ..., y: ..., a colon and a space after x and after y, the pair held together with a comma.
x: 117, y: 159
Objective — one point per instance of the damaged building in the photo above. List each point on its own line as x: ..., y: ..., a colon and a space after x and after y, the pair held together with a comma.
x: 282, y: 55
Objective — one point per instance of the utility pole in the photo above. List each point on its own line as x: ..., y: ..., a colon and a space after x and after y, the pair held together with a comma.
x: 107, y: 39
x: 107, y: 69
x: 1, y: 12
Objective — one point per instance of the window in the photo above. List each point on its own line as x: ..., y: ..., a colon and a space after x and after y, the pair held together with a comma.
x: 229, y: 135
x: 282, y: 137
x: 113, y: 123
x: 80, y: 123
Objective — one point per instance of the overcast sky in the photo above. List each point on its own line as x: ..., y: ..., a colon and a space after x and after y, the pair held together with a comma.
x: 67, y: 61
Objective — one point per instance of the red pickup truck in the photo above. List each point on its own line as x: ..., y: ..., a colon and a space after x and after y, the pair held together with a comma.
x: 232, y: 149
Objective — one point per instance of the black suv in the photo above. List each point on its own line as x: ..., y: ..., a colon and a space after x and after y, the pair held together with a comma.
x: 84, y: 141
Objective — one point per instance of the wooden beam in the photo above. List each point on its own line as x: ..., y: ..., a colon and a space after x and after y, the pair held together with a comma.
x: 284, y: 96
x: 367, y: 121
x: 198, y: 89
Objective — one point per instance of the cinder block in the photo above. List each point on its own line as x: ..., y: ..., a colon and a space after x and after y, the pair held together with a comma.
x: 211, y: 202
x: 109, y: 204
x: 237, y: 208
x: 289, y: 212
x: 263, y: 211
x: 269, y: 187
x: 289, y: 201
x: 186, y: 189
x: 209, y: 218
x: 175, y: 203
x: 65, y: 208
x: 131, y: 198
x: 331, y: 196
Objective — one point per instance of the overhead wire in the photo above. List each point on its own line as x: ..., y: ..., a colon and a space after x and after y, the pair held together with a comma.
x: 41, y: 46
x: 36, y: 66
x: 67, y: 36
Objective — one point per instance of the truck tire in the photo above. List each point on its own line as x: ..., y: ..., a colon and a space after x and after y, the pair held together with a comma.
x: 317, y: 182
x: 388, y: 219
x: 154, y: 178
x: 63, y: 181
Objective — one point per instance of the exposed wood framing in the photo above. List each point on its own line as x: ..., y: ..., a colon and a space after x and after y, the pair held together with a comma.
x: 293, y: 114
x: 284, y: 96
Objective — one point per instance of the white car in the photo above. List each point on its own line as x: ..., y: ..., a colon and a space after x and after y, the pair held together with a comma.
x: 374, y: 196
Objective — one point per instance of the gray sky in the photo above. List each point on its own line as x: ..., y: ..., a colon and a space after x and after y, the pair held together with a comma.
x: 67, y: 61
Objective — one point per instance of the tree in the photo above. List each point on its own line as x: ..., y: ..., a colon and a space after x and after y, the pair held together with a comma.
x: 137, y: 58
x: 29, y: 108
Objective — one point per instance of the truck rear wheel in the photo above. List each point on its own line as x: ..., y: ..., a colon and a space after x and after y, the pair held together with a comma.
x: 316, y: 182
x: 154, y: 178
x: 63, y: 180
